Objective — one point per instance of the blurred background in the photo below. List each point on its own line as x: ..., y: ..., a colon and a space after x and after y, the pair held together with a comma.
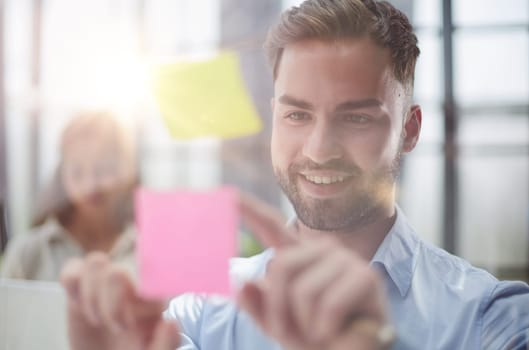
x: 465, y: 187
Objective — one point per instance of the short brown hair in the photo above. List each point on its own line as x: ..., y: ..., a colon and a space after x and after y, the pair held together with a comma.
x: 344, y: 19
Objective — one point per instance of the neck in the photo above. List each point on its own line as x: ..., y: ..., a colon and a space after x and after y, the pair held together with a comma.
x: 363, y: 240
x: 94, y: 233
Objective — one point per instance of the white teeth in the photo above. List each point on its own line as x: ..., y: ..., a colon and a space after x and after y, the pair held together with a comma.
x: 325, y: 180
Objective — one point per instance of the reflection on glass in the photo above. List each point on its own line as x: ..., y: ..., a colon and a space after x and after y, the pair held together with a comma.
x: 87, y: 205
x: 490, y: 12
x: 494, y: 211
x: 491, y: 67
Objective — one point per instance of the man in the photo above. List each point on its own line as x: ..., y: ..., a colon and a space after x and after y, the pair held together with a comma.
x: 350, y: 268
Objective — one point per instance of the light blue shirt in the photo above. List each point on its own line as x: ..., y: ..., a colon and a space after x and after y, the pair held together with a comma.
x: 436, y: 301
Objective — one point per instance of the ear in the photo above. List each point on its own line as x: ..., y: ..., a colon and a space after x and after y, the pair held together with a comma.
x: 412, y: 128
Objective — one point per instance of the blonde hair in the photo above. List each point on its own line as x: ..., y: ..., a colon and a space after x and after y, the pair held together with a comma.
x: 54, y: 201
x: 332, y: 20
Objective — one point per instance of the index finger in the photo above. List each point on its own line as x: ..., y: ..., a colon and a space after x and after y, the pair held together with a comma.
x: 265, y: 222
x: 70, y: 275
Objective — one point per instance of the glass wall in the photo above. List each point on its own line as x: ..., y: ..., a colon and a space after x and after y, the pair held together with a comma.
x: 490, y: 64
x: 61, y: 54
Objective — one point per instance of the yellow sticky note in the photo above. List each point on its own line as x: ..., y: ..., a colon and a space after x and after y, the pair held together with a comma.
x: 205, y: 99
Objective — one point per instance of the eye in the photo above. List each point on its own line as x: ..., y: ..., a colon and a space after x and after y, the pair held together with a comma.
x: 73, y: 171
x: 297, y: 116
x: 356, y: 118
x: 106, y: 167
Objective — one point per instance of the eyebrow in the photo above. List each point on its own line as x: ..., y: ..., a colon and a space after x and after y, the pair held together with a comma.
x: 345, y: 106
x: 292, y: 101
x: 368, y: 102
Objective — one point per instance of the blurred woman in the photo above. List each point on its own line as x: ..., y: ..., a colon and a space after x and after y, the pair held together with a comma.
x: 88, y: 205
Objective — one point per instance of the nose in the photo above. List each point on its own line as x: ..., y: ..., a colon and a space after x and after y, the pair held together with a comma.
x: 93, y: 183
x: 90, y: 185
x: 323, y: 143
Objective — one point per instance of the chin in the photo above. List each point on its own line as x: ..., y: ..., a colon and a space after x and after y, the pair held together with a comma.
x: 329, y: 215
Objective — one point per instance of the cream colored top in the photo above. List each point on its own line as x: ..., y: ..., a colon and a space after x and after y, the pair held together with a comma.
x: 41, y: 253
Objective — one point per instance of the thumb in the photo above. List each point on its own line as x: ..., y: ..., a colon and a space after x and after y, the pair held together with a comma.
x: 166, y: 336
x: 265, y: 222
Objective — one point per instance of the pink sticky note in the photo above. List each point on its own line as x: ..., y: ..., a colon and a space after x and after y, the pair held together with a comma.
x: 185, y: 241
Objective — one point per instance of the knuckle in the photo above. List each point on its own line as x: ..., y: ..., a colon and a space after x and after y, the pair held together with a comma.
x: 369, y: 277
x: 271, y: 266
x: 71, y: 270
x: 278, y: 264
x: 279, y: 332
x: 88, y: 292
x: 106, y: 314
x: 301, y: 292
x: 324, y: 243
x: 112, y: 311
x: 331, y: 311
x: 331, y: 307
x: 118, y: 286
x: 114, y: 276
x: 343, y: 257
x: 96, y: 257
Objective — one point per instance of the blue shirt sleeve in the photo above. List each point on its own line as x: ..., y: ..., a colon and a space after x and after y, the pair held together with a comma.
x: 187, y: 309
x: 506, y: 317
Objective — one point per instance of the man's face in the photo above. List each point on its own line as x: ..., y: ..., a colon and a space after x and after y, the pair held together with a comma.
x: 338, y: 131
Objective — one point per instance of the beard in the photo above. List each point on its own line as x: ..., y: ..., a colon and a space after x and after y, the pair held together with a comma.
x: 364, y: 201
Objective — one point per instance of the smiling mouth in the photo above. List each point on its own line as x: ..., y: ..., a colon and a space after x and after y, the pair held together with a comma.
x: 325, y: 180
x: 96, y: 198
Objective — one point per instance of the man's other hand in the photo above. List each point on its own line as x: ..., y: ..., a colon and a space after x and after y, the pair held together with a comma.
x: 105, y: 312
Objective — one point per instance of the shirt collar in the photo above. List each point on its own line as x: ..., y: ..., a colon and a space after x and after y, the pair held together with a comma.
x: 398, y: 253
